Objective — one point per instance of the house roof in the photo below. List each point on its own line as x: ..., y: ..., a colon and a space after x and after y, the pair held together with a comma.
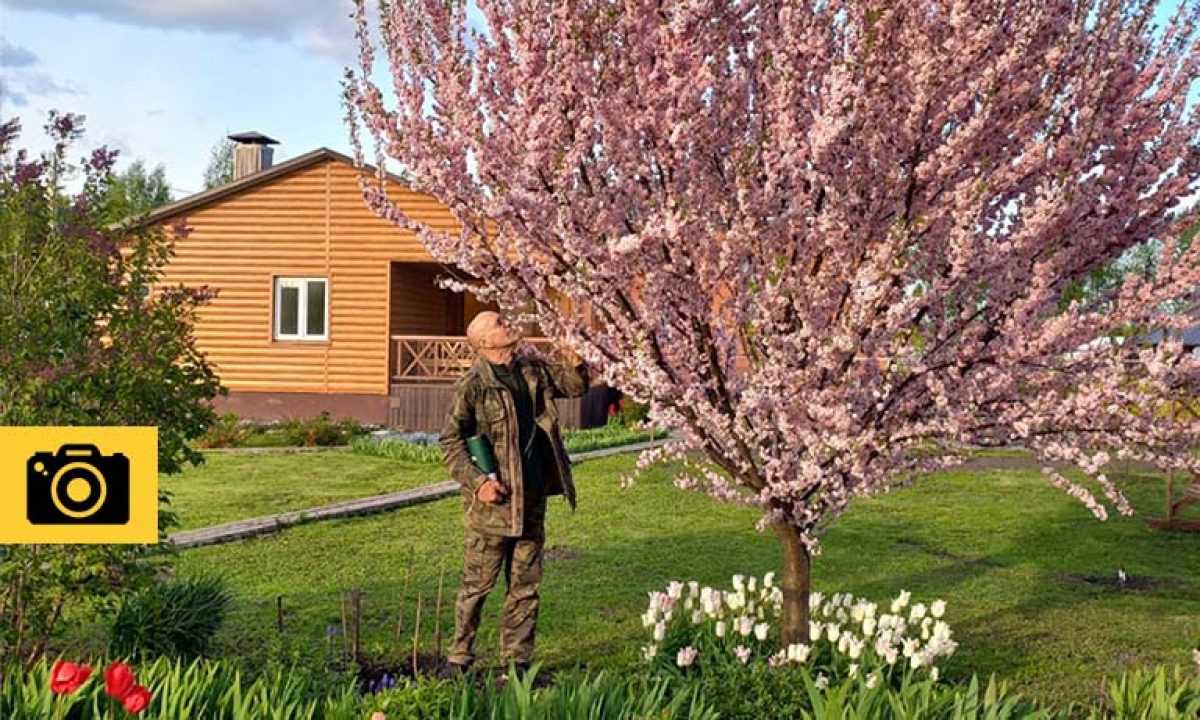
x: 242, y: 184
x: 1190, y: 336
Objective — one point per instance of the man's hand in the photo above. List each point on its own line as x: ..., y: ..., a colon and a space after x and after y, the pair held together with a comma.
x: 491, y: 492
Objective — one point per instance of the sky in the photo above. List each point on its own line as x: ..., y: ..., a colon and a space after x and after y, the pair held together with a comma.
x: 165, y: 80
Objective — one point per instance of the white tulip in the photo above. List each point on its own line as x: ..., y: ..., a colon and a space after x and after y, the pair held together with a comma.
x: 833, y: 632
x: 938, y: 608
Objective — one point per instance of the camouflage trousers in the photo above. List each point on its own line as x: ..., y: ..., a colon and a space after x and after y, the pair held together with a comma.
x: 521, y: 560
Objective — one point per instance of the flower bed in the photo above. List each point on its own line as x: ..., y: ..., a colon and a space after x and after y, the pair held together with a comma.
x: 849, y: 638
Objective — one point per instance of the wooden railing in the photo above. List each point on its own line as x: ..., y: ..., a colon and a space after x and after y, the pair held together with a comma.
x: 438, y: 358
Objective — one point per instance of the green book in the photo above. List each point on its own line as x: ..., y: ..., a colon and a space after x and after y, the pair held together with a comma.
x: 480, y: 450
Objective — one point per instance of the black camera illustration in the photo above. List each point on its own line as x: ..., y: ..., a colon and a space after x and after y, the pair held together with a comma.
x: 77, y: 486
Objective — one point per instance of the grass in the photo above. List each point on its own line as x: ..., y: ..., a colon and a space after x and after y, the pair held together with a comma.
x: 1025, y: 569
x: 233, y: 486
x: 236, y: 486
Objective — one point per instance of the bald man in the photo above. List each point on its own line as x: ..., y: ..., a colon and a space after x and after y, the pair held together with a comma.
x: 509, y: 398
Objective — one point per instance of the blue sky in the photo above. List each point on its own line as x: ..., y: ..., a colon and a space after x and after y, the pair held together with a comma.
x: 164, y: 80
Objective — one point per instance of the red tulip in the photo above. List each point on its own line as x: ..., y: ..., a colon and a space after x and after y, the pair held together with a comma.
x: 66, y: 677
x: 118, y: 680
x: 612, y: 409
x: 136, y: 700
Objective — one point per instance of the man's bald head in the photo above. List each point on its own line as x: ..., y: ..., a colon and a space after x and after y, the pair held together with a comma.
x: 481, y: 325
x: 491, y: 335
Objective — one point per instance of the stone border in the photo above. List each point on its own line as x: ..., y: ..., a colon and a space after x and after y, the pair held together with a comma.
x: 241, y: 529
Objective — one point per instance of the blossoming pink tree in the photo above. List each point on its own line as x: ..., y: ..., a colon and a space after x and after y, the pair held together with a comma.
x: 832, y: 242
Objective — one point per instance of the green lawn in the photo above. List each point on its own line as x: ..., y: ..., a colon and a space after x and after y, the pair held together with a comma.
x: 236, y: 486
x: 1025, y: 568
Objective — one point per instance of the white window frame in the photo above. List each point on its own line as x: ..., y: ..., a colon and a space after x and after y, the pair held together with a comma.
x: 301, y: 283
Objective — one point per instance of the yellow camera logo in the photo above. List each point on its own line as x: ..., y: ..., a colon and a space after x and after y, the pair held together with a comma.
x: 78, y: 484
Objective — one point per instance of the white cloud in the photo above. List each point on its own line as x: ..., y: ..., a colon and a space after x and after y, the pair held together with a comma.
x: 10, y: 97
x: 12, y: 56
x: 297, y: 20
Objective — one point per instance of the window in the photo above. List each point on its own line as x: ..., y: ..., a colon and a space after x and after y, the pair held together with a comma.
x: 301, y: 308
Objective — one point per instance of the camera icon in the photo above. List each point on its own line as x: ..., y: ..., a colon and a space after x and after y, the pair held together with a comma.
x: 77, y: 486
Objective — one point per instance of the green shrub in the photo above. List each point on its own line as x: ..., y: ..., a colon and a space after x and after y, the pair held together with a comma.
x: 753, y: 692
x: 631, y: 413
x: 320, y: 430
x: 397, y: 449
x: 612, y: 435
x: 1152, y: 693
x: 575, y: 441
x: 69, y: 268
x: 598, y: 697
x: 228, y: 431
x: 177, y: 618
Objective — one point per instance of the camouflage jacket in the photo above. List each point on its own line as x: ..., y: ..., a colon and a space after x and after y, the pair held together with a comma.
x: 482, y: 404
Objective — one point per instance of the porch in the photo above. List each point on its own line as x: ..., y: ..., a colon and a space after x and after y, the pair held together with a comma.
x: 428, y: 351
x: 426, y: 366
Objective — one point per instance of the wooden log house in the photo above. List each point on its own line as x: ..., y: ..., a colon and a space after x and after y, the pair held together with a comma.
x: 321, y: 305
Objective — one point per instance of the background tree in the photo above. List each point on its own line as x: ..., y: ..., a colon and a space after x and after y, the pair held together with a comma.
x: 827, y: 241
x: 81, y: 343
x: 220, y: 164
x: 136, y: 191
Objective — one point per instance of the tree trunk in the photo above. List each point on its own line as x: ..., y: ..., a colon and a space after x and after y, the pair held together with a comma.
x: 795, y: 585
